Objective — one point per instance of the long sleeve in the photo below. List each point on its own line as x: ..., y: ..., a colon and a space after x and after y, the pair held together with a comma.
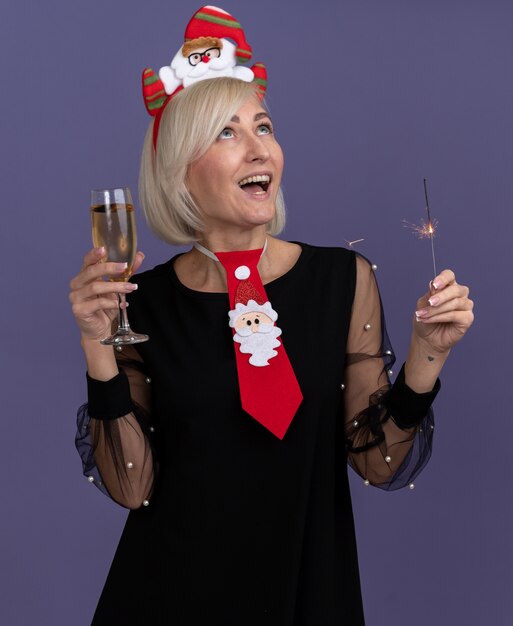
x: 389, y: 428
x: 114, y: 436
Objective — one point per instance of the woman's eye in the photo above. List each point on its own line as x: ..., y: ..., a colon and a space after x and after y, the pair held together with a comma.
x: 264, y: 129
x: 226, y: 133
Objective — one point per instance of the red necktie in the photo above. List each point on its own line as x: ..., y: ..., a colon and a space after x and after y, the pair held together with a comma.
x: 269, y: 389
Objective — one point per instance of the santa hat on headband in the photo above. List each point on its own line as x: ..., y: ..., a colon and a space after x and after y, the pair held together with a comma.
x: 211, y: 21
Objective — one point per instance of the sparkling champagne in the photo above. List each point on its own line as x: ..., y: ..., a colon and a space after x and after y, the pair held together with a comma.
x: 113, y: 221
x: 114, y: 228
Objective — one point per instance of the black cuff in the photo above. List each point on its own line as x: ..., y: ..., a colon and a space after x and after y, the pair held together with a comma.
x: 109, y: 399
x: 407, y: 407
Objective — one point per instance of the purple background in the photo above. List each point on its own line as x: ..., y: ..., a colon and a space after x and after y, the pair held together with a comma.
x: 368, y: 98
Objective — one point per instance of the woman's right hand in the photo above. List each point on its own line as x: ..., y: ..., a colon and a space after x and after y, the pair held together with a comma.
x: 94, y: 301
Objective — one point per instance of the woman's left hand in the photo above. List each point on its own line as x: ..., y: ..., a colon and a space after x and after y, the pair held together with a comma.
x: 444, y: 314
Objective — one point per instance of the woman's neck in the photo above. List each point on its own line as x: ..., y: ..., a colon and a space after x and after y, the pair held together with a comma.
x: 201, y: 273
x: 229, y: 242
x: 214, y: 257
x: 209, y: 273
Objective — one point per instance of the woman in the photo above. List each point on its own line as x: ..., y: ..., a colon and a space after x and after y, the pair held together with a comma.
x: 232, y: 525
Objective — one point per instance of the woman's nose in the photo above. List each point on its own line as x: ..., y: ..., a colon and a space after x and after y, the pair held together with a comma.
x: 257, y: 149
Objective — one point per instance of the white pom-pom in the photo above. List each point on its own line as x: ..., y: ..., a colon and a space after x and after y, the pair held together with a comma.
x: 242, y: 272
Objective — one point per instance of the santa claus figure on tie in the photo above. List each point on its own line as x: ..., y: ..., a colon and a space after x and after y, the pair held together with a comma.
x: 253, y: 322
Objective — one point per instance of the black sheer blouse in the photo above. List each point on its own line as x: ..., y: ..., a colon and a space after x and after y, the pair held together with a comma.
x: 388, y: 428
x: 167, y: 434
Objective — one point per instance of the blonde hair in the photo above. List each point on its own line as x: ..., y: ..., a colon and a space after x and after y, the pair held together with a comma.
x: 190, y: 124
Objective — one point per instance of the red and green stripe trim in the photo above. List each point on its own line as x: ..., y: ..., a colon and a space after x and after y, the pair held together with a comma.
x: 214, y: 18
x: 153, y: 107
x: 243, y: 55
x: 153, y: 91
x: 149, y: 77
x: 260, y: 78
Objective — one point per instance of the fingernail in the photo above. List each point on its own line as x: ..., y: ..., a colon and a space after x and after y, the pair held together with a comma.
x: 132, y: 286
x: 434, y: 300
x: 421, y: 313
x: 121, y: 266
x: 100, y: 250
x: 436, y: 284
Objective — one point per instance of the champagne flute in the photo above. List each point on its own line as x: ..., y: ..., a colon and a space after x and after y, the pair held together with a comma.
x: 113, y: 222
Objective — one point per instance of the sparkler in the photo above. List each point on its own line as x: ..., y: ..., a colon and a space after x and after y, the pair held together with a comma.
x: 426, y: 230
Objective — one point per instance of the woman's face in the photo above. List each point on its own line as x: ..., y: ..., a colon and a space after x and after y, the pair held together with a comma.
x: 236, y: 181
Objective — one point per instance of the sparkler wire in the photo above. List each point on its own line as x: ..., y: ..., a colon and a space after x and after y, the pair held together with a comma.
x: 431, y: 228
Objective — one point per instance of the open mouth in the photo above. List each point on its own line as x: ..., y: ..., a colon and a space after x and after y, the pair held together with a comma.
x: 255, y: 185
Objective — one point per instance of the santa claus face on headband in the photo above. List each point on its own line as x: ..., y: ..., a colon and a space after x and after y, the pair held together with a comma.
x: 201, y: 58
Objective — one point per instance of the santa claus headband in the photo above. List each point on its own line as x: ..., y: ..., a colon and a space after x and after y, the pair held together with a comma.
x: 207, y: 53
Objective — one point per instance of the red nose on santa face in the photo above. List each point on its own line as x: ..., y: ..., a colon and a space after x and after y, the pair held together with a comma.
x: 205, y: 58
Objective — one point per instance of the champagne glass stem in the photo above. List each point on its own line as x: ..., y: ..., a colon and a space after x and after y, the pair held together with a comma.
x: 123, y: 325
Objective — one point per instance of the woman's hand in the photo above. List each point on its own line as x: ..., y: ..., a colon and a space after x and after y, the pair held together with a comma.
x: 444, y: 314
x: 94, y: 301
